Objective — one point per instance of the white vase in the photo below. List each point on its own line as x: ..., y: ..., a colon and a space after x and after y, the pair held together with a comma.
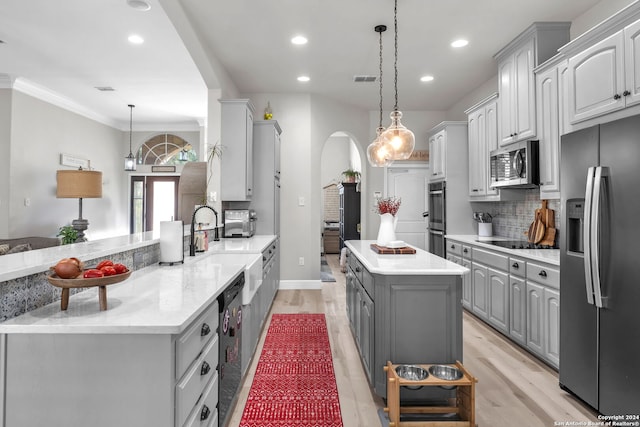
x: 387, y: 230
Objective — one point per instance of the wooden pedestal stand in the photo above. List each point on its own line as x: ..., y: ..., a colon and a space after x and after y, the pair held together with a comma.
x: 464, y: 404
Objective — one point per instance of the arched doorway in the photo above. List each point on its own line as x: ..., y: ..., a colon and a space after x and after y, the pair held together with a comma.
x: 154, y: 198
x: 340, y: 200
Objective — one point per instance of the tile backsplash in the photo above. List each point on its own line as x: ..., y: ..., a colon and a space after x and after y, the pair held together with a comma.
x: 512, y: 219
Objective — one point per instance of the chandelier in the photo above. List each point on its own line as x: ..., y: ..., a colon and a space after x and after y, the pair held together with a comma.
x: 380, y: 153
x: 401, y: 139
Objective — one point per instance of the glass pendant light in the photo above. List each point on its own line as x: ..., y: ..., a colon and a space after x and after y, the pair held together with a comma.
x: 130, y: 161
x: 380, y: 153
x: 397, y: 135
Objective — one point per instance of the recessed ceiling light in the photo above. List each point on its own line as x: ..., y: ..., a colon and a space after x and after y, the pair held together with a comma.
x: 303, y: 79
x: 135, y: 39
x: 299, y: 40
x: 459, y: 43
x: 426, y: 78
x: 140, y: 5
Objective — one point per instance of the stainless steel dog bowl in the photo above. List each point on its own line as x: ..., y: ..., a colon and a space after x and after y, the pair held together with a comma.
x: 447, y: 373
x: 412, y: 373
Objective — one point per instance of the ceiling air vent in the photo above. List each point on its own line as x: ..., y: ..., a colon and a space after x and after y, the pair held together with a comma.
x: 105, y: 88
x: 364, y: 79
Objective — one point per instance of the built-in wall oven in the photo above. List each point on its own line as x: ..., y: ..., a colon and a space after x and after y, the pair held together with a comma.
x: 437, y: 218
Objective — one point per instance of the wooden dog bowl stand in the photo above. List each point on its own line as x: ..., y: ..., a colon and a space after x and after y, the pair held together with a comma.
x: 463, y: 404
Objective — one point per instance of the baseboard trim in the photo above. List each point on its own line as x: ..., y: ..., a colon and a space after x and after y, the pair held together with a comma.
x: 300, y: 284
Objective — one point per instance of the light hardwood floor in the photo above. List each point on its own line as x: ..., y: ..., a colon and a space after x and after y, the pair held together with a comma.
x: 514, y: 388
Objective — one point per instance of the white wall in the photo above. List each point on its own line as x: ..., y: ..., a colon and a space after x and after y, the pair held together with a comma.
x: 336, y: 158
x: 5, y: 149
x: 40, y: 132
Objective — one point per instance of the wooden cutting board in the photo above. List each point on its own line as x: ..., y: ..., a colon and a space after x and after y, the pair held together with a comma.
x: 392, y: 251
x: 536, y: 229
x: 549, y: 220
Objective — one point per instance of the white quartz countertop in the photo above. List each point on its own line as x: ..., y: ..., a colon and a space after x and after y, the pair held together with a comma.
x: 420, y: 263
x: 154, y: 300
x: 549, y: 256
x: 39, y: 260
x: 36, y: 261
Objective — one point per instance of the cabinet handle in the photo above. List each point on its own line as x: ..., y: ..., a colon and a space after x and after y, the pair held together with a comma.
x: 466, y: 251
x: 205, y: 413
x: 206, y: 330
x: 475, y: 190
x: 358, y: 270
x: 205, y: 368
x: 542, y: 274
x: 626, y: 93
x: 616, y: 96
x: 453, y: 246
x: 515, y: 265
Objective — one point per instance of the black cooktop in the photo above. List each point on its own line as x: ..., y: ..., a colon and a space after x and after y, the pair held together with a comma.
x: 516, y: 244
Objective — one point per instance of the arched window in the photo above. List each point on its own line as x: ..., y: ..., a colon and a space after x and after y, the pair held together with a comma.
x: 166, y: 149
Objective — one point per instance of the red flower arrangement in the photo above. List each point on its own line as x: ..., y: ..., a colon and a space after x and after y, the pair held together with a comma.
x: 388, y: 205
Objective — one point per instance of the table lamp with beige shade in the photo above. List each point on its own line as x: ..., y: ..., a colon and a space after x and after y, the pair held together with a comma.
x: 79, y: 184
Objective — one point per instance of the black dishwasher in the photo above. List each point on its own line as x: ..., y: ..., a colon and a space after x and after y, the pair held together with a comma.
x: 230, y: 304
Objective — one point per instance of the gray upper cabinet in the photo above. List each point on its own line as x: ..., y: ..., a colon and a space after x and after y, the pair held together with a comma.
x: 604, y: 71
x: 236, y: 163
x: 266, y: 162
x: 516, y: 81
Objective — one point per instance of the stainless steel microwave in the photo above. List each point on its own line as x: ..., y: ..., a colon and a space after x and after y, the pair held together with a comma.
x: 515, y: 166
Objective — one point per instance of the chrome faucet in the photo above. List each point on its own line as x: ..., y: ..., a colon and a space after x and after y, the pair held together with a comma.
x: 192, y: 245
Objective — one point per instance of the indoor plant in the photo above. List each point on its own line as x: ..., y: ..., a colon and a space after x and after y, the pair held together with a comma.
x: 68, y: 234
x: 351, y: 175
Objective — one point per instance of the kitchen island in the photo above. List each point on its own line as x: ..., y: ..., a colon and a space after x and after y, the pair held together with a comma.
x: 148, y: 360
x: 403, y: 308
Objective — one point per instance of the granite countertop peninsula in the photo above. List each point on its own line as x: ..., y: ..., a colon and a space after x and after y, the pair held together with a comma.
x: 154, y: 300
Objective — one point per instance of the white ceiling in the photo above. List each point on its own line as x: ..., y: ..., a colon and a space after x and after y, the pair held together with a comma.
x: 69, y: 47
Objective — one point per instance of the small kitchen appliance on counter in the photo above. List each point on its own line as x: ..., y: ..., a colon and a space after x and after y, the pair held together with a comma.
x: 239, y: 223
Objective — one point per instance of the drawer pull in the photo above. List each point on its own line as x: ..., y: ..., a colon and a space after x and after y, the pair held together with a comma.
x: 358, y: 270
x: 204, y: 370
x: 542, y: 274
x: 466, y: 251
x: 205, y: 413
x: 453, y: 246
x: 206, y: 330
x: 515, y: 265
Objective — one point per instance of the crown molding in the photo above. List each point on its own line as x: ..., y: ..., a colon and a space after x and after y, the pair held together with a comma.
x: 40, y: 92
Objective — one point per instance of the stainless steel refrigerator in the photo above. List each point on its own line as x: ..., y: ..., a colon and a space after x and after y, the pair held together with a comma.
x: 600, y: 266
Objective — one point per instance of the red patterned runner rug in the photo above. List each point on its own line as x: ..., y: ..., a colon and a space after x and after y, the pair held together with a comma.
x: 294, y: 384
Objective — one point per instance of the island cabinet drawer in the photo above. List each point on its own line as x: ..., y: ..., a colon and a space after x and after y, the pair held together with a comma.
x: 491, y: 259
x: 192, y: 384
x: 191, y: 342
x: 205, y: 413
x: 543, y: 274
x: 454, y: 247
x: 517, y: 267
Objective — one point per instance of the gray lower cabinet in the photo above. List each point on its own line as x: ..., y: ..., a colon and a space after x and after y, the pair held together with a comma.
x: 517, y: 310
x: 498, y: 307
x: 127, y: 379
x: 479, y: 288
x: 519, y: 297
x: 403, y: 319
x: 535, y: 313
